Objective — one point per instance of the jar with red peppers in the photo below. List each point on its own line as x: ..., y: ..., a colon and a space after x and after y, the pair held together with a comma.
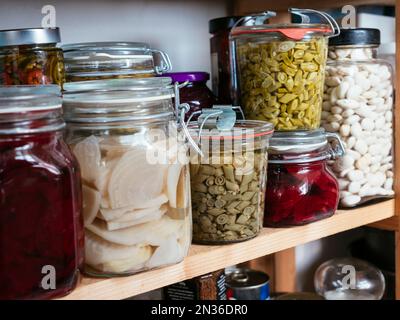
x: 30, y: 56
x: 220, y: 65
x: 195, y: 93
x: 300, y: 187
x: 41, y: 232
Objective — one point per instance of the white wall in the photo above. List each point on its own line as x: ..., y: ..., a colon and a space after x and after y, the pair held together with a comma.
x: 180, y: 27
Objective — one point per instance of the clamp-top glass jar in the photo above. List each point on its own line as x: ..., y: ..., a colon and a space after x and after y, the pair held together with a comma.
x: 300, y: 187
x: 228, y: 181
x: 30, y: 56
x: 278, y: 70
x: 136, y: 188
x: 41, y: 230
x: 110, y: 60
x: 358, y: 104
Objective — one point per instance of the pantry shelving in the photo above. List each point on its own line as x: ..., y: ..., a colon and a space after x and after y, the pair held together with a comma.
x: 203, y: 259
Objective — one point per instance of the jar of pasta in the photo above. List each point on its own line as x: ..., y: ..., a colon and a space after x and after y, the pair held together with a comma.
x: 278, y: 70
x: 110, y: 60
x: 30, y: 56
x: 134, y: 163
x: 41, y: 228
x: 228, y: 181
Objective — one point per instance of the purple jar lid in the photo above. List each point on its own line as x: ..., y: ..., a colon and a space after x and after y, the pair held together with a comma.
x: 196, y: 76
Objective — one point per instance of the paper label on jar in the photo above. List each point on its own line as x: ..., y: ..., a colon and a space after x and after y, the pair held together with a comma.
x: 214, y: 72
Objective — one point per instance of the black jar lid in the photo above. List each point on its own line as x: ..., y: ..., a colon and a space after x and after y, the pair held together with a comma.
x: 224, y: 23
x: 364, y: 36
x: 18, y: 37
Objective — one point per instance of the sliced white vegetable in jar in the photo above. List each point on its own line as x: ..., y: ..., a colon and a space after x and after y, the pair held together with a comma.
x: 90, y: 205
x: 174, y: 173
x: 134, y: 181
x: 133, y: 219
x: 88, y: 155
x: 112, y: 214
x: 99, y: 251
x: 167, y: 253
x: 103, y: 178
x: 152, y: 233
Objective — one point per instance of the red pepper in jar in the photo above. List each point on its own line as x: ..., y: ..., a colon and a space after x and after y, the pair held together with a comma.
x: 300, y: 187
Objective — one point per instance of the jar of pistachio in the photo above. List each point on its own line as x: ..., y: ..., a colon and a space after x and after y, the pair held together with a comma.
x: 279, y: 70
x: 228, y: 182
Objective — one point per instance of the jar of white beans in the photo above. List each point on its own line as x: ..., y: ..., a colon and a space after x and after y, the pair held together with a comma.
x: 358, y: 104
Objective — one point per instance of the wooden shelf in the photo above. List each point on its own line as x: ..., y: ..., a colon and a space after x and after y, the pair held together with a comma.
x: 204, y: 259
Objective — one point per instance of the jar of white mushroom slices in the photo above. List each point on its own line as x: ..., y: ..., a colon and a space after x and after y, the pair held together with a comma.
x: 134, y: 166
x: 358, y: 104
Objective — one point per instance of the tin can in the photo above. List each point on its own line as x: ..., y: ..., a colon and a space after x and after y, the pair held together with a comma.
x: 247, y: 284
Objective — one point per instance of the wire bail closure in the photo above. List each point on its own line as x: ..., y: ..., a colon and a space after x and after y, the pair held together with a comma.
x: 338, y: 150
x: 306, y: 19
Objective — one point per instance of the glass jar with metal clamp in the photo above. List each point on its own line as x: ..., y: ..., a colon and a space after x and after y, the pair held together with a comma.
x: 228, y: 178
x: 300, y: 186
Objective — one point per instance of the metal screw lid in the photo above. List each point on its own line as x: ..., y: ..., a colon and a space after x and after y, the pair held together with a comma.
x: 17, y: 37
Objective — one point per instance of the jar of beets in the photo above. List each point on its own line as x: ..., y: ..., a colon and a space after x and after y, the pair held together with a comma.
x: 300, y: 187
x: 195, y: 92
x: 41, y: 229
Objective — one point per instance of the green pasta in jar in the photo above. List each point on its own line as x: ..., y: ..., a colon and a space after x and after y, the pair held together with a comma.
x: 279, y: 73
x: 26, y: 60
x: 228, y: 183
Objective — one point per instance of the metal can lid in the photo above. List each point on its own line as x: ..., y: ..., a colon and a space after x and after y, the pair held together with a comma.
x: 191, y: 76
x: 246, y: 279
x: 361, y: 36
x: 17, y: 37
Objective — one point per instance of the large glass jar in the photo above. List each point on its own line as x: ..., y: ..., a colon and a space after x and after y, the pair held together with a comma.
x: 41, y: 229
x: 228, y: 182
x: 136, y: 188
x: 220, y: 65
x: 195, y: 92
x: 30, y: 56
x: 111, y: 60
x: 278, y: 72
x: 300, y: 187
x: 358, y: 105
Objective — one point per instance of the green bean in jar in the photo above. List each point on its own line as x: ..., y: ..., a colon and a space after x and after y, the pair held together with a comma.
x: 228, y: 186
x: 282, y: 82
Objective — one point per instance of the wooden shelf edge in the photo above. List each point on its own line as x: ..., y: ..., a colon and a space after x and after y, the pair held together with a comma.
x: 204, y: 259
x: 391, y: 224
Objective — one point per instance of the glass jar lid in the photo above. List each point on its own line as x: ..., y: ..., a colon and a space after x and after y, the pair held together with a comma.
x: 100, y: 59
x: 304, y: 146
x: 242, y: 130
x: 26, y: 109
x: 108, y: 101
x: 27, y: 98
x: 18, y: 37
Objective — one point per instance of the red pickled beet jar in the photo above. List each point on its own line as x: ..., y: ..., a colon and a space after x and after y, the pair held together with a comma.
x: 41, y: 228
x: 195, y: 93
x: 300, y: 187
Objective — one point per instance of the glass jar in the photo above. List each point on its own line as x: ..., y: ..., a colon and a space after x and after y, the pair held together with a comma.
x: 30, y: 56
x: 41, y: 231
x: 278, y: 72
x: 228, y: 182
x: 220, y: 66
x: 358, y: 104
x: 136, y: 188
x: 195, y: 93
x: 300, y: 187
x: 110, y: 60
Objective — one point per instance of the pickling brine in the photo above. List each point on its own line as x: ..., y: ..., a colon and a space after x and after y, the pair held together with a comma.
x: 136, y: 189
